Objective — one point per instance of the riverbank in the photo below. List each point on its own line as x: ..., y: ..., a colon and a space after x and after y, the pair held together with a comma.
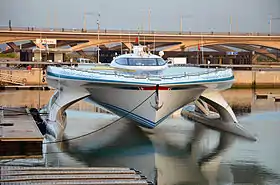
x: 243, y: 78
x: 20, y: 77
x: 257, y: 79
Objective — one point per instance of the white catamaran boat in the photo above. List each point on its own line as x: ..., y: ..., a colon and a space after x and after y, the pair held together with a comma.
x: 139, y: 86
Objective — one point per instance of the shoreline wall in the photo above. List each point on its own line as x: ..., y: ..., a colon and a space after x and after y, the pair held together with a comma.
x: 30, y: 77
x: 243, y: 79
x: 257, y: 79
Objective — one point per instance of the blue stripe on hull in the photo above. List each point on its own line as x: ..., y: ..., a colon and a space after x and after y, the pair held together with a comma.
x: 121, y: 112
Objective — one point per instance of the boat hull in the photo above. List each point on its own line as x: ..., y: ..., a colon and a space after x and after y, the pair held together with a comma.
x: 146, y: 100
x: 146, y: 107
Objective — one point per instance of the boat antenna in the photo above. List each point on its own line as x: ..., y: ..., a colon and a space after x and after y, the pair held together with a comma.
x: 154, y: 42
x: 121, y: 40
x: 129, y: 42
x: 138, y: 37
x: 144, y: 39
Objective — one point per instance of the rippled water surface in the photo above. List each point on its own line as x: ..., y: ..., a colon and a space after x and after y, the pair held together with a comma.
x: 176, y: 152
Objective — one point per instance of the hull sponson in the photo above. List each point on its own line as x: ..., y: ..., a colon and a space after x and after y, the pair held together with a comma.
x: 123, y: 102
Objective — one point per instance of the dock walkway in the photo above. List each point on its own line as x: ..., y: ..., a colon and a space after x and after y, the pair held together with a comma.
x: 19, y: 135
x: 100, y: 175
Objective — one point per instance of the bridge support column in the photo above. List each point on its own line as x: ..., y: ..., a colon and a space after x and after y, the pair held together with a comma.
x: 230, y: 61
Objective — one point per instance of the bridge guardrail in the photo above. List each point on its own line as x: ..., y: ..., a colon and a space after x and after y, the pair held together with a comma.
x: 103, y: 30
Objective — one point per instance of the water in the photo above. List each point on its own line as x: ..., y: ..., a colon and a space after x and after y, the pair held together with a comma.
x: 177, y: 151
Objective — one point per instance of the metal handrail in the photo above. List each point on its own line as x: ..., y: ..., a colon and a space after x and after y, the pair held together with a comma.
x: 5, y: 77
x: 213, y: 73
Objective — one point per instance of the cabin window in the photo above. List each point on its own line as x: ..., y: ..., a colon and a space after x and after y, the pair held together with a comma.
x: 122, y: 61
x: 145, y: 62
x: 161, y: 62
x: 141, y: 61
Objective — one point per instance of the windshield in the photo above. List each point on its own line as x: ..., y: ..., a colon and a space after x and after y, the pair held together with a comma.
x: 141, y: 61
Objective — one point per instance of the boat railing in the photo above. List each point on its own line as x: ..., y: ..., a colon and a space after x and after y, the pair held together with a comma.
x: 210, y: 73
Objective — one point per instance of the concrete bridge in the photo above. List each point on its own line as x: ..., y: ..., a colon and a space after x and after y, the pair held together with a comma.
x: 168, y: 41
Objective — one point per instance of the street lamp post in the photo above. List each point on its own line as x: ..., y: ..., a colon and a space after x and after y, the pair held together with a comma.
x: 181, y: 22
x: 270, y: 27
x: 149, y: 20
x: 98, y: 30
x: 230, y: 24
x: 85, y: 17
x: 270, y: 23
x: 144, y: 20
x: 84, y: 21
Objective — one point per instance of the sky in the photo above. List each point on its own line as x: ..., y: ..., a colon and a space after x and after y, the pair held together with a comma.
x: 199, y: 15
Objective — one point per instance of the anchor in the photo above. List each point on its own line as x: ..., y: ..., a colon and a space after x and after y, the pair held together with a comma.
x: 157, y: 106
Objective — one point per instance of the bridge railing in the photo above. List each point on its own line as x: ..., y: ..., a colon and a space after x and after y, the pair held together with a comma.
x: 105, y: 31
x: 206, y: 74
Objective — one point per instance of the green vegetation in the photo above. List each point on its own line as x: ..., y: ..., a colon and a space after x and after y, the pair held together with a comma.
x: 8, y: 55
x: 75, y: 56
x: 266, y: 59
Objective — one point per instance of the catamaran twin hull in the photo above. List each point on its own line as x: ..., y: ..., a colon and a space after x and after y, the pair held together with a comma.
x: 146, y: 102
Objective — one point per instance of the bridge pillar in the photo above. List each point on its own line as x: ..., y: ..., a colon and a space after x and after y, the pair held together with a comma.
x: 220, y: 61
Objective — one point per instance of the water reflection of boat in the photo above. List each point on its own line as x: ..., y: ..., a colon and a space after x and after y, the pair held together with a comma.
x: 140, y: 87
x: 176, y: 152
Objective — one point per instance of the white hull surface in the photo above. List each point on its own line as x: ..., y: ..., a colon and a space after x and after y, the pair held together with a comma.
x: 141, y: 105
x: 146, y: 100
